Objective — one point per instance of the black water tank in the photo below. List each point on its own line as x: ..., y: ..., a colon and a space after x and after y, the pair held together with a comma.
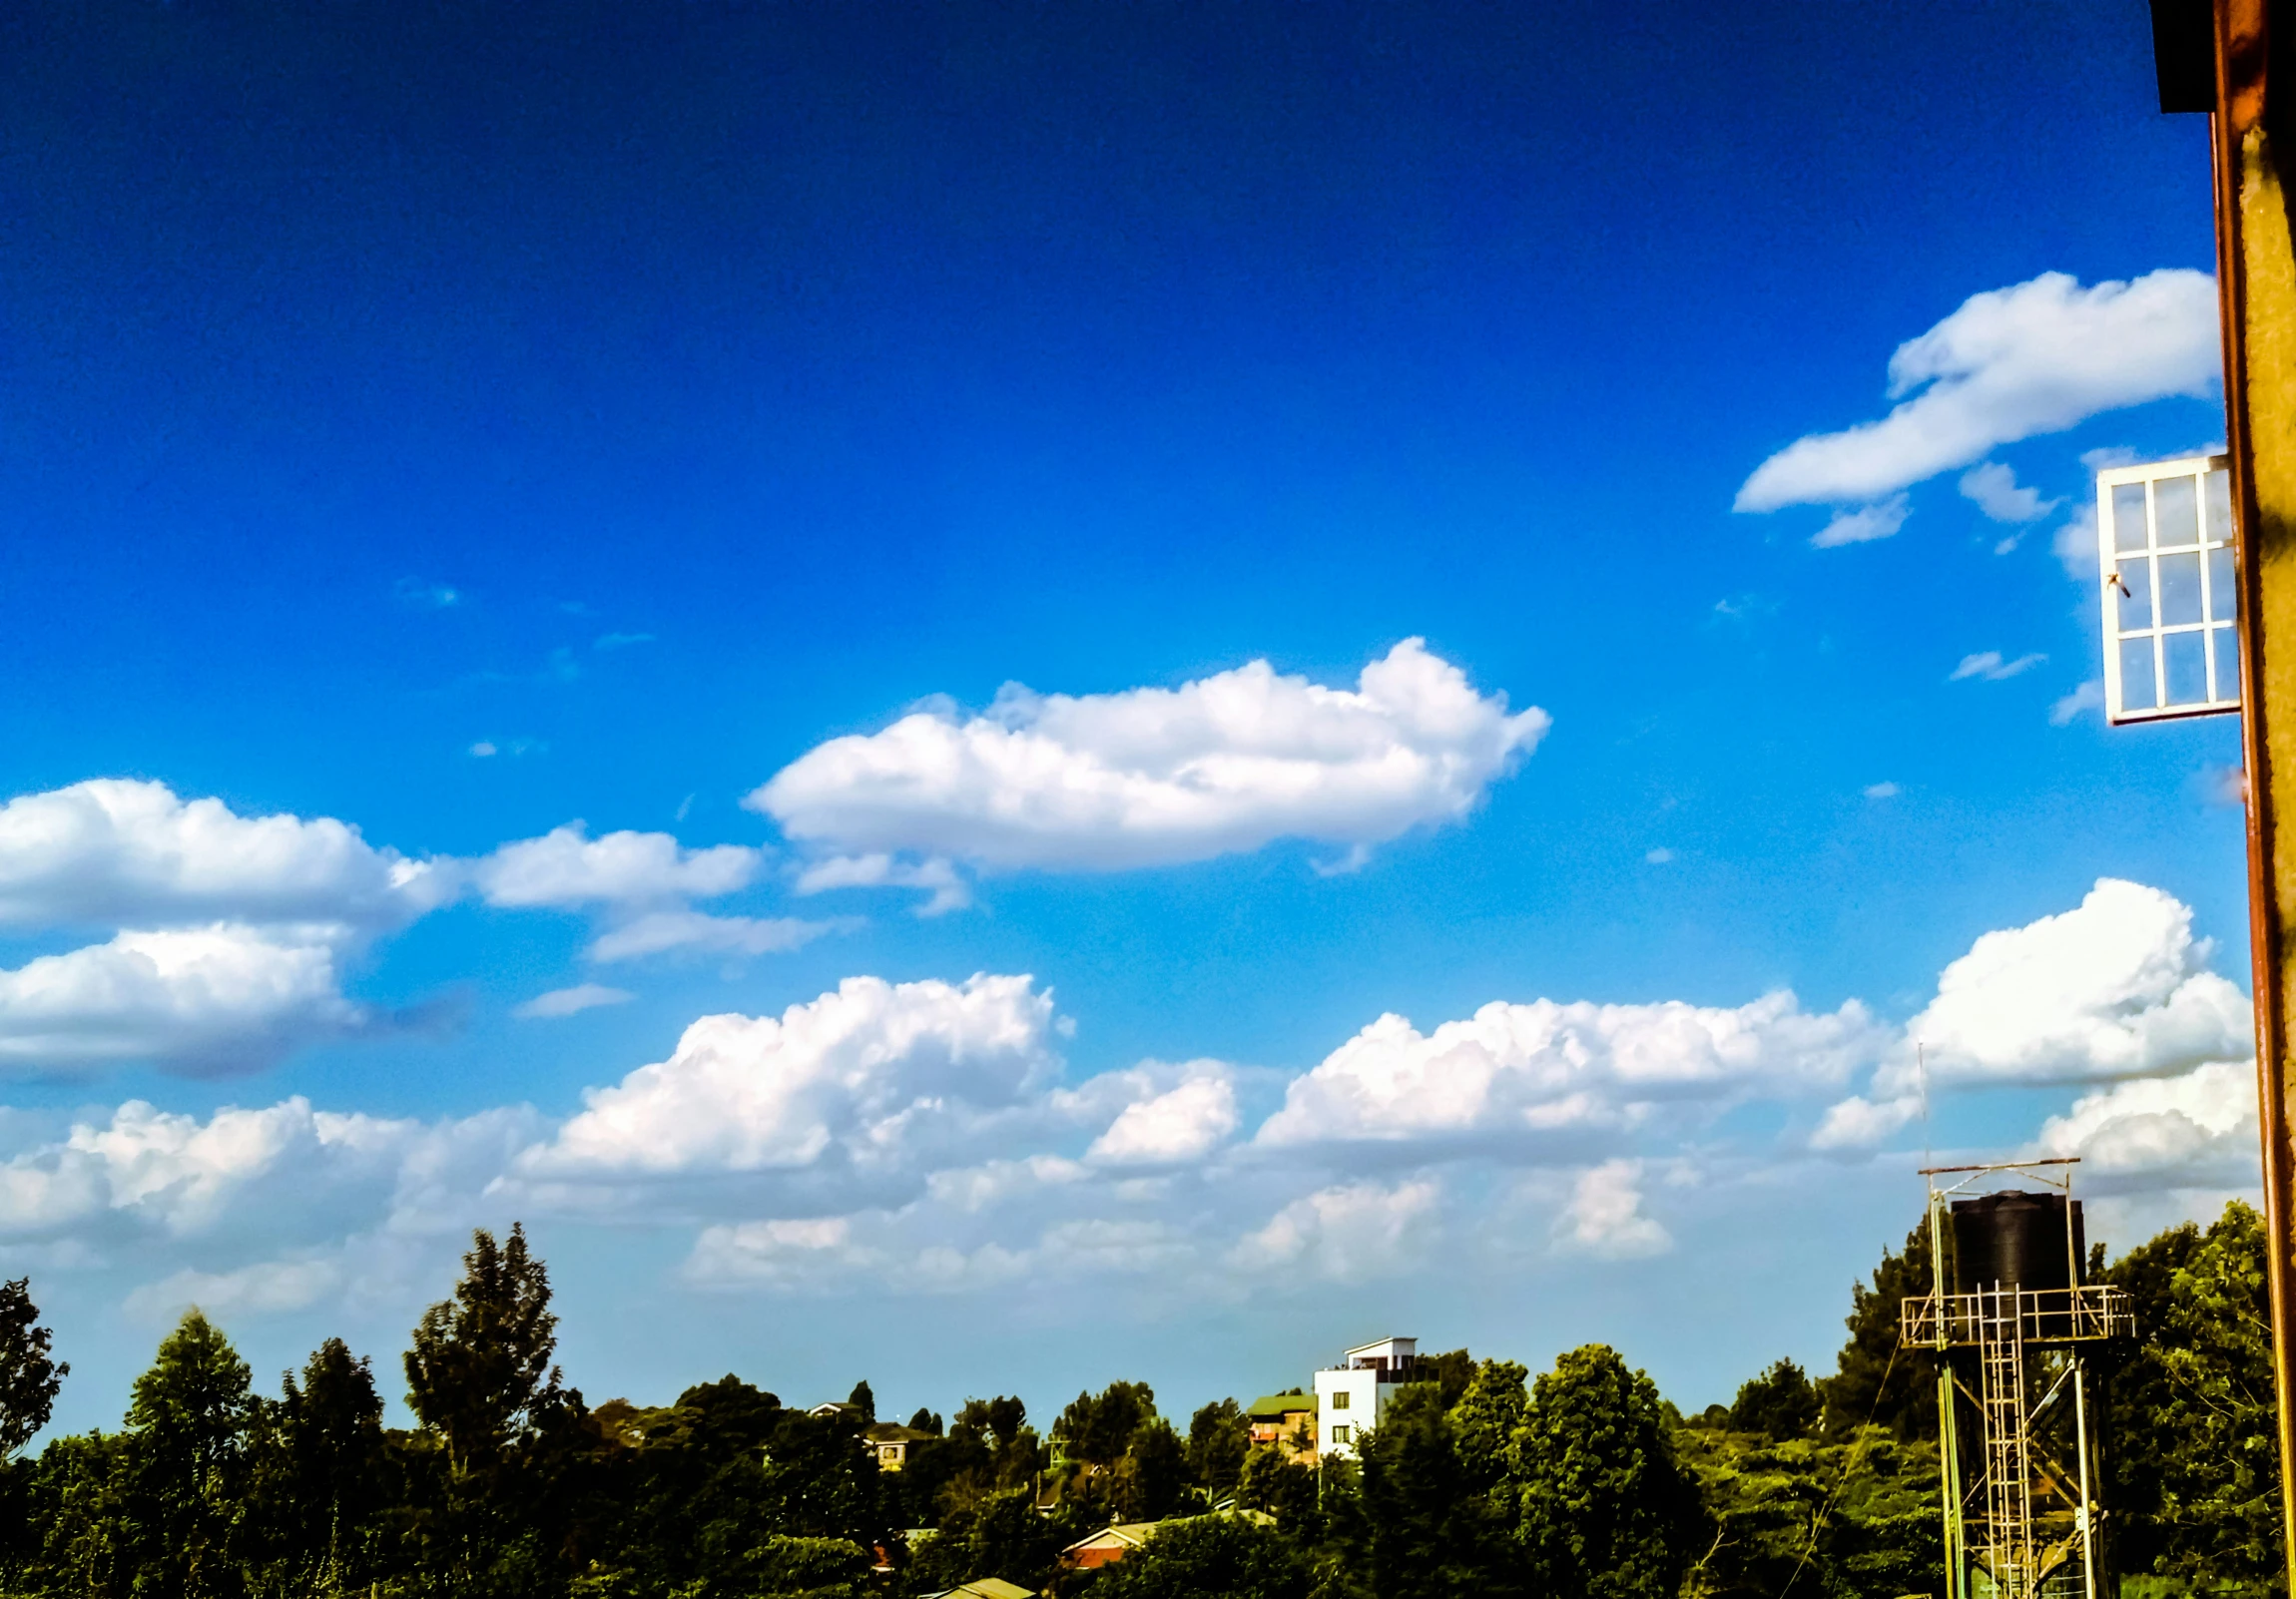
x: 2017, y: 1240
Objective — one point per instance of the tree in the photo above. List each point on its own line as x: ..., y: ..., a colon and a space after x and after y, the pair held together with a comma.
x: 1607, y: 1511
x: 502, y: 1467
x: 188, y: 1424
x: 1153, y: 1473
x: 29, y: 1378
x: 1098, y: 1427
x: 1872, y: 1382
x: 479, y: 1376
x: 2206, y: 1428
x: 1219, y: 1436
x: 1273, y: 1483
x: 320, y: 1473
x: 863, y: 1403
x: 1210, y: 1557
x: 1432, y: 1528
x: 1780, y: 1403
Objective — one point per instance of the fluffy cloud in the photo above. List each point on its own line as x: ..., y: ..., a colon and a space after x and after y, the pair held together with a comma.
x: 2009, y: 364
x: 2197, y: 1130
x: 1346, y: 1233
x: 2114, y: 988
x: 855, y: 1078
x: 207, y: 1000
x: 565, y: 868
x: 1545, y: 1074
x: 1151, y: 776
x: 1604, y: 1216
x: 1995, y: 490
x: 1185, y: 1123
x: 118, y: 853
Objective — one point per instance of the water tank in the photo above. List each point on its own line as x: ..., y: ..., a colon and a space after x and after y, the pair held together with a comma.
x: 2017, y: 1240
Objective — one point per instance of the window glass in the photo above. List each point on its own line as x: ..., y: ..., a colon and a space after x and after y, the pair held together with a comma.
x: 1339, y: 1399
x: 2179, y: 589
x: 2135, y: 593
x: 2224, y: 587
x: 2129, y: 517
x: 2175, y: 513
x: 2185, y: 663
x: 2136, y: 691
x: 2227, y: 663
x: 2216, y: 489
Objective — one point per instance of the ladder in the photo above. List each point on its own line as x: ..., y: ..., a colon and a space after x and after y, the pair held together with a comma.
x: 2008, y: 1478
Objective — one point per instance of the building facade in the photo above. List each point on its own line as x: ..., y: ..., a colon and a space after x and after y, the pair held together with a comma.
x: 1353, y: 1396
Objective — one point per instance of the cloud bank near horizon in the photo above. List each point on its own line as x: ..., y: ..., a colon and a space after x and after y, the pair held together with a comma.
x: 924, y: 1134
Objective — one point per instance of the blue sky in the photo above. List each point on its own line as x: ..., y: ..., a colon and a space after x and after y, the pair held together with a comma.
x: 464, y: 424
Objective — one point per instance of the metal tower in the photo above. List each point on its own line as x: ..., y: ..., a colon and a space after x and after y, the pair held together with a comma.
x: 2011, y: 1342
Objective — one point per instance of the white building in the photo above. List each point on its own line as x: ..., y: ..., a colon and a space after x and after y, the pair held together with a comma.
x: 1353, y: 1395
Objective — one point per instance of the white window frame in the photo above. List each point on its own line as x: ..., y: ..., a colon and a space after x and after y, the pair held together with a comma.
x: 2211, y: 478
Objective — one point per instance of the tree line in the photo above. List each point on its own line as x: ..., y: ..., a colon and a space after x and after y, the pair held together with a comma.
x: 1579, y: 1482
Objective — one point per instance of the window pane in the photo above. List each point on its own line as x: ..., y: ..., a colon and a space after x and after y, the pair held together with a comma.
x: 2227, y: 663
x: 2136, y: 674
x: 2129, y: 517
x: 2222, y: 592
x: 2216, y: 489
x: 2187, y: 669
x: 2175, y: 515
x: 2179, y: 589
x: 2136, y: 600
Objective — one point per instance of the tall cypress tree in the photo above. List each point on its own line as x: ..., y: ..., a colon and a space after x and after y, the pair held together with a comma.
x: 506, y: 1435
x: 189, y: 1425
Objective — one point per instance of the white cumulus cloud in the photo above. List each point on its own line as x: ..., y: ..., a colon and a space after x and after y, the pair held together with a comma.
x: 565, y: 868
x: 206, y: 1000
x: 1347, y: 1233
x: 1550, y: 1073
x: 1995, y: 490
x: 855, y: 1077
x: 119, y: 852
x: 2116, y: 987
x: 1605, y: 1217
x: 2197, y: 1130
x: 2009, y: 364
x: 1185, y: 1123
x: 1152, y: 777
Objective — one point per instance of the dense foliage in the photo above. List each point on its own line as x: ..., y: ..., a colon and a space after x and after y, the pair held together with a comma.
x: 1481, y: 1479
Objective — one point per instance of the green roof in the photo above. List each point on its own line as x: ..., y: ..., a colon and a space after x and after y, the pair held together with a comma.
x: 1277, y: 1405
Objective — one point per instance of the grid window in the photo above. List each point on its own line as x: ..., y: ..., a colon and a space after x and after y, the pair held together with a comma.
x: 2170, y: 592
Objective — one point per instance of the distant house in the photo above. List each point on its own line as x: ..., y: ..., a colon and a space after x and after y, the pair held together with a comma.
x: 985, y: 1588
x: 1109, y: 1545
x: 1353, y: 1396
x: 1287, y: 1420
x: 835, y: 1407
x: 890, y: 1442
